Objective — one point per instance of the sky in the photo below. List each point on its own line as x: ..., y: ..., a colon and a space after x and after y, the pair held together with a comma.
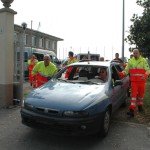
x: 85, y: 25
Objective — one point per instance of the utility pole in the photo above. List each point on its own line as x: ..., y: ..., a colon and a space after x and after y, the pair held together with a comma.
x: 123, y: 22
x: 22, y: 49
x: 31, y: 36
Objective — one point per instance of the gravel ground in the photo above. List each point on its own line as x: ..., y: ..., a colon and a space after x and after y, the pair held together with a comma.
x: 142, y: 118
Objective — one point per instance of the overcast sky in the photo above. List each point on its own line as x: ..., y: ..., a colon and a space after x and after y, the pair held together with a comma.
x: 94, y: 25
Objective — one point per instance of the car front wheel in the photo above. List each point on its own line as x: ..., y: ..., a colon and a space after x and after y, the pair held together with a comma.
x: 105, y: 123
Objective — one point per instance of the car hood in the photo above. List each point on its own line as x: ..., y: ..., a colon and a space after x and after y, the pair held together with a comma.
x: 70, y: 96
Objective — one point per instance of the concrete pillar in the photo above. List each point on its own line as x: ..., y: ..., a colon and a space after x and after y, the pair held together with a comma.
x: 6, y: 56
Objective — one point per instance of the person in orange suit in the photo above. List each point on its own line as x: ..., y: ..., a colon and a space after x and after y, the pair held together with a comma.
x: 31, y: 63
x: 70, y: 61
x: 139, y: 70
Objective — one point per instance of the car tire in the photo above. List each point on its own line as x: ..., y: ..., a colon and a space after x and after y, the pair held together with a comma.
x: 104, y: 128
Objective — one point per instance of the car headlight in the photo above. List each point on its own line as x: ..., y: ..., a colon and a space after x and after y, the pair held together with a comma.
x: 28, y: 106
x: 77, y: 114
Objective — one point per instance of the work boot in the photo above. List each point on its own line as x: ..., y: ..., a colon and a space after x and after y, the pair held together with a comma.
x: 140, y: 109
x: 130, y: 113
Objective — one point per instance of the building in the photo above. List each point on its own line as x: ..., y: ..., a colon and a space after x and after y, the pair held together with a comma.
x: 36, y: 39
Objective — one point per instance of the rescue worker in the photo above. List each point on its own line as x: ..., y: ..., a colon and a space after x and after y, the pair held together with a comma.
x: 71, y: 58
x: 31, y: 63
x: 139, y: 70
x: 70, y: 61
x: 44, y: 70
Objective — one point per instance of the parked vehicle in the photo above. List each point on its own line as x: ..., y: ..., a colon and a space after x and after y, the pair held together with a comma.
x: 88, y: 56
x: 81, y: 104
x: 82, y: 57
x: 39, y: 53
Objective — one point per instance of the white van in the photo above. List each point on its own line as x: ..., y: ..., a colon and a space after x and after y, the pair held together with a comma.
x: 89, y: 56
x: 39, y: 53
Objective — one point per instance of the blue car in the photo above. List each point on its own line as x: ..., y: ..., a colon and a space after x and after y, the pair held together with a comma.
x: 80, y: 103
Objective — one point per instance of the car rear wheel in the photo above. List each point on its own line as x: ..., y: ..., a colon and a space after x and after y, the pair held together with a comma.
x: 105, y: 124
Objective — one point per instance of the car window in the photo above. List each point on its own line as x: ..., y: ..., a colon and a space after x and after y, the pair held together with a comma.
x: 94, y: 58
x: 119, y: 68
x: 115, y: 75
x: 84, y: 73
x: 39, y: 56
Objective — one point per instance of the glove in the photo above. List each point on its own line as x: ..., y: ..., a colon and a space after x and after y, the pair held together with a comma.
x: 121, y: 74
x: 145, y: 76
x: 124, y: 65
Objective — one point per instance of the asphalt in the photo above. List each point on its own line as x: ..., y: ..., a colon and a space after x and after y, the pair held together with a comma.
x: 16, y: 136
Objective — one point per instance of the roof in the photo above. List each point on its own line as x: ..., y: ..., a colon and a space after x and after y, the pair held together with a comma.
x: 36, y: 32
x: 92, y: 63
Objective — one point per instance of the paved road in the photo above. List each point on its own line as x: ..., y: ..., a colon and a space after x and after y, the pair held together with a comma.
x: 122, y: 136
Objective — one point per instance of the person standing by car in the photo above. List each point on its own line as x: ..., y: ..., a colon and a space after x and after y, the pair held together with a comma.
x: 139, y: 70
x: 117, y: 58
x: 70, y: 61
x: 44, y: 70
x: 31, y: 63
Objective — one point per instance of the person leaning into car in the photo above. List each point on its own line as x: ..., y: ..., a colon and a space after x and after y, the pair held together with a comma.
x: 70, y: 61
x: 139, y: 70
x: 44, y: 70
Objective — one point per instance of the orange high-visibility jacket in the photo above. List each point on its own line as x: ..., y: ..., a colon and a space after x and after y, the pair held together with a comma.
x: 43, y: 72
x: 72, y: 60
x: 137, y: 69
x: 32, y: 62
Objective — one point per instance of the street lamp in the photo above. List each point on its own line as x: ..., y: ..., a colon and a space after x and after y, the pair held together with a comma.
x: 123, y: 22
x: 7, y: 3
x: 22, y: 49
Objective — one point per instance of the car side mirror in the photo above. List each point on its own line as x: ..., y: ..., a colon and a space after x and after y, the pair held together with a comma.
x: 118, y: 82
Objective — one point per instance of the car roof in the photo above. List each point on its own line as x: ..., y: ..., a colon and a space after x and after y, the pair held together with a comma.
x: 94, y: 63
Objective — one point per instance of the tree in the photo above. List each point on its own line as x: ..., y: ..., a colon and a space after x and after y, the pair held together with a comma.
x: 140, y: 29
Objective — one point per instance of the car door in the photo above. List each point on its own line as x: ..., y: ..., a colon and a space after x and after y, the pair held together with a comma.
x: 117, y: 91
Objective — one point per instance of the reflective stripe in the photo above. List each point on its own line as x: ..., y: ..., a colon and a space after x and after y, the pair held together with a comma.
x: 133, y: 104
x: 133, y: 98
x: 140, y: 102
x: 133, y: 101
x: 136, y: 74
x: 140, y: 98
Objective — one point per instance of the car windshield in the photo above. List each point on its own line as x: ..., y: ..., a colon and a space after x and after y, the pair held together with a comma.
x: 84, y: 74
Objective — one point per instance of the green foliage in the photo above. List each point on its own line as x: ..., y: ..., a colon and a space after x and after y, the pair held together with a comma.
x: 147, y: 95
x: 140, y: 29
